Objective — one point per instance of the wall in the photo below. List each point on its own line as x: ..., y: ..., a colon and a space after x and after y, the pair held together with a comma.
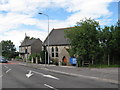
x: 36, y: 47
x: 22, y: 50
x: 61, y: 53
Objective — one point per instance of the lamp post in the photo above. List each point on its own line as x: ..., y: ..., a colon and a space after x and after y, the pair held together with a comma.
x: 45, y: 54
x: 48, y: 34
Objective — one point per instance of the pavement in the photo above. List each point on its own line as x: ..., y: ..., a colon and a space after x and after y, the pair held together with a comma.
x: 104, y: 74
x: 25, y: 75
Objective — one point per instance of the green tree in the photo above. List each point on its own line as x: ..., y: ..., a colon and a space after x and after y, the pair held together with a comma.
x: 44, y: 55
x: 84, y: 40
x: 8, y: 49
x: 109, y: 41
x: 115, y: 50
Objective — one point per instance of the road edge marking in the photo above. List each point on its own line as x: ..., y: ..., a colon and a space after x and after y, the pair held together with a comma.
x: 50, y: 86
x: 90, y: 77
x: 84, y: 76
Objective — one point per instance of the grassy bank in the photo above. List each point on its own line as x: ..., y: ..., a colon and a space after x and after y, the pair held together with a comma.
x: 103, y: 66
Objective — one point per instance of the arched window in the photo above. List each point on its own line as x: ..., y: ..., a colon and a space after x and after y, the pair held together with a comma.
x: 52, y: 49
x: 56, y: 49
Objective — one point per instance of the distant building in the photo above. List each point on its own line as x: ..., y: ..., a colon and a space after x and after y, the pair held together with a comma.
x: 29, y: 46
x: 58, y: 45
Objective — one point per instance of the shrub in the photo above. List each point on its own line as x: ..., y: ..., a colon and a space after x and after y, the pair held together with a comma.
x: 63, y: 63
x: 55, y: 62
x: 17, y: 57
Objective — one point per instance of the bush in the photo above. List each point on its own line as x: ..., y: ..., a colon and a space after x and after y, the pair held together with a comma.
x: 55, y: 62
x: 17, y: 57
x: 42, y: 54
x: 63, y: 63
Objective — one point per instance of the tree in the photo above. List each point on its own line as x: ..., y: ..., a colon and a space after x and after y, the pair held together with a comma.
x: 8, y: 49
x: 84, y: 40
x: 115, y: 51
x: 96, y: 45
x: 110, y: 44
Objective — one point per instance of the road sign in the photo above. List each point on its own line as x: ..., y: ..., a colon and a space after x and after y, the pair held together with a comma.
x: 73, y: 60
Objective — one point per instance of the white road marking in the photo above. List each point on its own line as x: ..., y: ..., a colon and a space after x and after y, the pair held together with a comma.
x: 1, y: 76
x: 29, y: 74
x: 50, y: 86
x: 22, y: 64
x: 78, y: 75
x: 8, y: 70
x: 5, y: 66
x: 38, y: 73
x: 49, y: 76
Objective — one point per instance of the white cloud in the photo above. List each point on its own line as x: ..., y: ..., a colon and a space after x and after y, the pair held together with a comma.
x: 18, y: 36
x: 23, y: 6
x: 21, y: 12
x: 116, y: 0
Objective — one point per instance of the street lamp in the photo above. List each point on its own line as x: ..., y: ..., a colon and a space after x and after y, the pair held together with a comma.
x: 45, y: 53
x: 48, y: 33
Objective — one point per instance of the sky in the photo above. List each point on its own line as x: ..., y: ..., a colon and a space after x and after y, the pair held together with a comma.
x: 18, y: 17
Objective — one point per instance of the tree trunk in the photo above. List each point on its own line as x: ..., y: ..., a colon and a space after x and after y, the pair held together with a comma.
x: 92, y: 61
x: 108, y: 59
x: 32, y: 60
x: 113, y: 59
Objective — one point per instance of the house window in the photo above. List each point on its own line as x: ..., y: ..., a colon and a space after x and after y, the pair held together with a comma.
x: 52, y: 49
x: 56, y: 54
x: 26, y: 51
x: 56, y: 51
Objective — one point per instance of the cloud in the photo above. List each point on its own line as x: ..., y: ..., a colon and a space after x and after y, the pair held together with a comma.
x: 18, y: 36
x: 16, y: 13
x: 23, y: 6
x: 116, y: 0
x: 23, y: 11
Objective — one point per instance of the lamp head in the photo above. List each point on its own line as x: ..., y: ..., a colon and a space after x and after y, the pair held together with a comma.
x: 40, y: 13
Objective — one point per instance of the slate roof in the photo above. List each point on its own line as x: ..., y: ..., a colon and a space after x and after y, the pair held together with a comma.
x: 28, y: 42
x: 57, y: 37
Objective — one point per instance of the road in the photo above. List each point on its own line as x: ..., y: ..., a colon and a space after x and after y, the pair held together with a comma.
x: 15, y: 75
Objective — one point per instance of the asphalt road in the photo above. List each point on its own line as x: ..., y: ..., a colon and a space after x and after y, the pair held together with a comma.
x: 14, y: 76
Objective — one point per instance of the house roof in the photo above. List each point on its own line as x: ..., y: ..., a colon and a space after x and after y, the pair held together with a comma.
x: 28, y: 42
x: 57, y: 37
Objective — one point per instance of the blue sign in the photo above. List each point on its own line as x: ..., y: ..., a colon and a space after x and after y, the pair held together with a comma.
x: 73, y: 60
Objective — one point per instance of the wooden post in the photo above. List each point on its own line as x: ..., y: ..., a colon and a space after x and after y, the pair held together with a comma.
x: 40, y: 59
x: 36, y: 60
x: 32, y: 59
x: 108, y: 60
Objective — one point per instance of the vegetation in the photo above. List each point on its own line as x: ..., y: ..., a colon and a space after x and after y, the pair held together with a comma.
x: 44, y: 55
x: 8, y: 49
x: 34, y: 57
x: 18, y: 58
x: 56, y: 61
x: 93, y: 44
x: 103, y: 66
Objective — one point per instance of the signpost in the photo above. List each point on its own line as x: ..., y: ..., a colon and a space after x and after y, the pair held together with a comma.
x: 73, y: 60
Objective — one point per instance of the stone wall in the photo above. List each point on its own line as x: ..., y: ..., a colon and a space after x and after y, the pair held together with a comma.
x: 62, y: 52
